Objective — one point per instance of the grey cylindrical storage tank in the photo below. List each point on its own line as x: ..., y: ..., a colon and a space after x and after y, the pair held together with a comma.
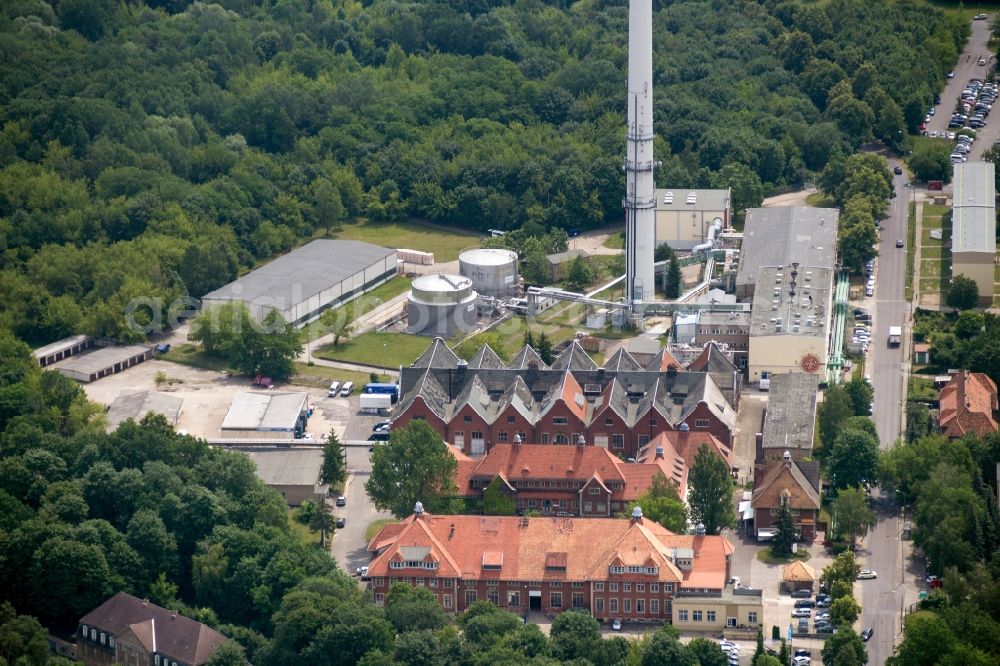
x: 493, y: 271
x: 442, y: 305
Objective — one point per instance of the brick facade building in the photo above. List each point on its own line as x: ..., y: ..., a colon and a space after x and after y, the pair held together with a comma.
x: 581, y: 480
x: 795, y: 482
x: 612, y: 568
x: 621, y: 406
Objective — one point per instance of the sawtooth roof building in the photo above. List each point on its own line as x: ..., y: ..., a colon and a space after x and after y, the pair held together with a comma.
x: 621, y: 406
x: 612, y: 568
x: 302, y: 284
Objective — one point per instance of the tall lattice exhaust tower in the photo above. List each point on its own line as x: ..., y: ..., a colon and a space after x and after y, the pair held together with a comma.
x: 640, y: 194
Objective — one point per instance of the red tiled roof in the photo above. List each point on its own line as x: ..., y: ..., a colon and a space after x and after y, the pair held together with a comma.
x: 586, y: 547
x: 686, y: 443
x: 967, y: 403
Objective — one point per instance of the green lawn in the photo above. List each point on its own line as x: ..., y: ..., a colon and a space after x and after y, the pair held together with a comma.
x: 444, y: 243
x: 359, y: 306
x: 930, y: 268
x: 931, y: 252
x: 765, y: 556
x: 921, y: 388
x: 512, y: 334
x: 911, y: 248
x: 301, y: 532
x: 820, y: 200
x: 319, y: 376
x: 377, y: 349
x: 193, y: 355
x: 615, y: 241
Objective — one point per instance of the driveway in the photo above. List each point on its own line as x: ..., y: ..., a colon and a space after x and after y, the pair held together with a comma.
x: 348, y: 546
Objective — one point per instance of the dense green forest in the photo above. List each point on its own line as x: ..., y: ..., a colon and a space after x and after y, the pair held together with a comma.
x: 152, y: 150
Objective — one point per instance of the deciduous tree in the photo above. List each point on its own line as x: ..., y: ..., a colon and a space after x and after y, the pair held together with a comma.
x: 414, y: 466
x: 711, y: 491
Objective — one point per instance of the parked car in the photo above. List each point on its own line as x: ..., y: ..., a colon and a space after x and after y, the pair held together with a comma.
x: 802, y: 594
x: 334, y: 390
x: 380, y: 436
x: 899, y: 242
x: 805, y: 603
x: 867, y: 574
x: 866, y: 634
x: 802, y: 612
x: 616, y: 624
x: 362, y: 573
x: 823, y: 616
x: 341, y: 501
x: 801, y: 661
x: 825, y: 629
x: 341, y: 521
x: 898, y: 170
x: 823, y: 603
x: 162, y: 348
x: 951, y: 74
x: 346, y: 389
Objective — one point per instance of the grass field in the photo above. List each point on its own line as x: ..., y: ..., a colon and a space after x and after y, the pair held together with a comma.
x: 444, y: 243
x: 193, y: 355
x: 378, y: 349
x: 911, y: 240
x: 359, y: 306
x: 921, y: 388
x: 319, y: 376
x: 935, y: 257
x: 820, y: 200
x: 615, y: 241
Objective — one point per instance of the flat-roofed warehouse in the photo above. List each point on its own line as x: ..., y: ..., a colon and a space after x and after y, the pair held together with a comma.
x: 310, y: 279
x: 790, y: 419
x: 292, y: 472
x: 91, y: 366
x: 266, y: 416
x: 973, y: 235
x: 684, y: 217
x: 136, y: 404
x: 789, y: 321
x: 781, y: 236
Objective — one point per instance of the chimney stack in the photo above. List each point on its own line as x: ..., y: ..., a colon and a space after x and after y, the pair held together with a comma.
x: 418, y: 509
x: 637, y: 514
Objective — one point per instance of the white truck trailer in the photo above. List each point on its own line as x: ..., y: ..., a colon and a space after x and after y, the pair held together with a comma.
x: 895, y: 335
x: 375, y: 403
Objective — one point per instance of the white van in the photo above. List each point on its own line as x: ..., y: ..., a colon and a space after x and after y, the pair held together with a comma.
x: 334, y: 390
x: 346, y: 389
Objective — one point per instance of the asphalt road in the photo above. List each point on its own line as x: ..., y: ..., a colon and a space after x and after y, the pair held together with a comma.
x: 967, y: 68
x: 348, y: 546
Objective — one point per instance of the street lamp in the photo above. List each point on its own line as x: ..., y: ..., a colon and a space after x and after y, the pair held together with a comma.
x: 384, y: 370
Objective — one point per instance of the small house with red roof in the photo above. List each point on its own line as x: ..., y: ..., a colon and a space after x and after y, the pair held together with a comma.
x: 967, y: 405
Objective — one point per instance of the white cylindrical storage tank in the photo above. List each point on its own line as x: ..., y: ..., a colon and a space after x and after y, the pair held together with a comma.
x: 442, y: 305
x: 493, y: 271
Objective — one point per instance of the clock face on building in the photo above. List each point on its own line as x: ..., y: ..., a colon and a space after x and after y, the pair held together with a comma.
x: 809, y: 363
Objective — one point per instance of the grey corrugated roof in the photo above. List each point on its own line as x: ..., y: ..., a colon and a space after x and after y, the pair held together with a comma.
x: 573, y: 358
x: 303, y: 272
x: 774, y: 304
x: 524, y: 357
x: 437, y: 355
x: 92, y: 362
x: 780, y: 236
x: 485, y: 358
x: 287, y: 467
x: 136, y: 404
x: 59, y: 345
x: 791, y: 411
x: 621, y: 361
x: 974, y: 216
x: 259, y: 411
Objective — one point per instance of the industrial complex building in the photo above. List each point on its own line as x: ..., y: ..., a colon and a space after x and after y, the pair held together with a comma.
x: 308, y: 280
x: 790, y: 419
x: 780, y: 236
x: 683, y: 217
x: 789, y: 321
x: 973, y: 230
x: 266, y: 416
x: 102, y: 362
x: 136, y: 404
x: 442, y: 305
x: 295, y: 473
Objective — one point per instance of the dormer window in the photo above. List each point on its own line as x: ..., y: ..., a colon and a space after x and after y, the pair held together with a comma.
x: 616, y: 570
x: 652, y: 571
x: 402, y: 564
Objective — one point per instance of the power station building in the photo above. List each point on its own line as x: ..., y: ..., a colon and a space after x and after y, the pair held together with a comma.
x: 308, y: 280
x: 684, y: 217
x: 780, y: 236
x: 973, y: 236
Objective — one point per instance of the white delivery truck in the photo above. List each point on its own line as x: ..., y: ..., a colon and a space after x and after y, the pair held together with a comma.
x: 374, y: 403
x: 895, y: 335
